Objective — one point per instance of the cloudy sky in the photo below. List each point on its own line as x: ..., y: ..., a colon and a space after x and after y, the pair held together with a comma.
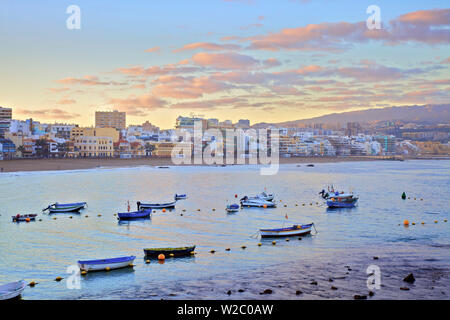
x: 261, y: 60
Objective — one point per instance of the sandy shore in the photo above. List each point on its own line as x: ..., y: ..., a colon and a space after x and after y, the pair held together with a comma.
x: 74, y: 164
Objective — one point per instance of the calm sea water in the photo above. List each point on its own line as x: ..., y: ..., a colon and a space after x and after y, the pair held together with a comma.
x: 42, y: 250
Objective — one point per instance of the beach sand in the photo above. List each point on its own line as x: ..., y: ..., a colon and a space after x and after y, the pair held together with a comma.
x: 86, y: 163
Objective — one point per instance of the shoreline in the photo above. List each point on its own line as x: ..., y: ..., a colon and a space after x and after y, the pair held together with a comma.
x: 18, y: 165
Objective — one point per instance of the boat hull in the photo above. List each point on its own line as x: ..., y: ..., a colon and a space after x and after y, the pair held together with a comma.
x: 258, y: 204
x: 65, y: 209
x: 286, y: 232
x: 24, y: 217
x: 177, y: 252
x: 106, y: 264
x: 134, y: 215
x: 337, y: 204
x: 12, y: 290
x: 156, y: 205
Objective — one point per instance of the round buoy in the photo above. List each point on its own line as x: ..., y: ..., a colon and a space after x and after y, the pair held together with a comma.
x: 214, y: 209
x: 423, y: 222
x: 163, y: 210
x: 303, y: 204
x: 107, y: 268
x: 227, y: 249
x: 274, y: 242
x: 131, y: 265
x: 198, y: 209
x: 212, y: 251
x: 235, y: 195
x: 32, y: 284
x: 172, y: 255
x: 161, y: 257
x: 265, y: 206
x: 445, y: 220
x: 403, y: 195
x: 435, y: 221
x: 58, y: 279
x: 243, y: 247
x: 70, y: 217
x: 40, y: 219
x: 86, y: 216
x: 99, y: 215
x: 192, y: 252
x: 296, y: 205
x: 285, y: 205
x: 27, y: 219
x: 54, y: 218
x: 115, y: 214
x: 287, y: 239
x: 259, y: 244
x: 84, y: 272
x: 147, y: 261
x: 421, y: 199
x: 406, y: 223
x: 413, y: 223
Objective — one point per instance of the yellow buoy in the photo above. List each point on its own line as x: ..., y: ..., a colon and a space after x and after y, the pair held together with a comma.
x: 58, y: 279
x: 406, y: 223
x: 192, y: 252
x: 296, y: 205
x: 161, y: 257
x: 413, y: 223
x: 259, y: 244
x: 131, y: 265
x: 147, y: 261
x: 445, y: 220
x: 198, y: 209
x: 423, y: 222
x: 32, y: 284
x: 70, y: 217
x: 435, y: 221
x: 287, y: 239
x: 285, y: 205
x: 115, y: 214
x: 84, y: 272
x: 172, y: 255
x: 274, y: 242
x: 54, y: 218
x: 99, y: 215
x: 107, y: 268
x: 214, y: 209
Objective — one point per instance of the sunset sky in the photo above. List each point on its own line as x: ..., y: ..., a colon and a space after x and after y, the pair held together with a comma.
x: 267, y: 61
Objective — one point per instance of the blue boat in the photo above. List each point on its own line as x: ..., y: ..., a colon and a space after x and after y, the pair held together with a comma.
x: 233, y: 207
x: 180, y: 196
x: 106, y: 264
x: 335, y: 203
x: 141, y: 214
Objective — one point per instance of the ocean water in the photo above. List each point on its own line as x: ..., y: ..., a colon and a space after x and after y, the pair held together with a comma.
x: 338, y: 255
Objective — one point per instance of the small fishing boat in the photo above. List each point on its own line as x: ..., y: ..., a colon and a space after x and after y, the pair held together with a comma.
x: 264, y: 196
x: 180, y: 196
x: 142, y: 214
x: 232, y: 207
x: 24, y: 217
x: 65, y: 207
x: 141, y: 205
x: 256, y: 202
x: 310, y: 165
x: 338, y: 202
x: 12, y: 290
x: 295, y: 230
x: 106, y: 264
x: 177, y: 252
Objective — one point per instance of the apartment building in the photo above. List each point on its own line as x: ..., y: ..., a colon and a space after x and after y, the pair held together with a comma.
x: 110, y: 119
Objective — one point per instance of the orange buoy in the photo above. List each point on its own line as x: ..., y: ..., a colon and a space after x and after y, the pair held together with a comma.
x: 265, y: 206
x: 406, y: 223
x: 164, y: 210
x: 27, y: 219
x: 161, y: 257
x: 147, y: 261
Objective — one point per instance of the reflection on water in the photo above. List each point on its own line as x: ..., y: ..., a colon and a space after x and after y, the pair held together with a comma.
x: 42, y: 250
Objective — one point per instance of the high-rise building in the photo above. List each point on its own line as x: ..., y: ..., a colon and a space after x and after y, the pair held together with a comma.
x: 110, y: 119
x: 5, y: 120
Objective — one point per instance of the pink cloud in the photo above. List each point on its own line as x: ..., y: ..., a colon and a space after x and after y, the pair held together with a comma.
x: 49, y: 113
x: 154, y: 49
x: 224, y: 60
x: 207, y: 46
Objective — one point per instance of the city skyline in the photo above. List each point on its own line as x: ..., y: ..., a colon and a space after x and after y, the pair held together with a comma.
x: 254, y: 62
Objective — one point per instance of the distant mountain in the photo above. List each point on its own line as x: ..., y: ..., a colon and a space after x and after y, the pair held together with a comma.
x: 431, y: 114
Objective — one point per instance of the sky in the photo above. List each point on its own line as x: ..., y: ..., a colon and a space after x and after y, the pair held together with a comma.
x: 266, y: 61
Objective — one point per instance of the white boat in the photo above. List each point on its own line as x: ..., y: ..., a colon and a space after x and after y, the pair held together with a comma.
x: 12, y: 290
x: 142, y: 205
x: 295, y: 230
x: 106, y: 264
x: 256, y: 202
x: 65, y: 207
x: 264, y: 196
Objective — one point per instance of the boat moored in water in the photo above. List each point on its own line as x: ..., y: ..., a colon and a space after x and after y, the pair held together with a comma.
x: 233, y: 207
x: 174, y: 252
x: 12, y: 290
x: 295, y: 230
x: 106, y: 264
x: 142, y: 214
x: 256, y: 202
x: 180, y: 196
x: 143, y: 205
x: 264, y: 196
x: 24, y: 217
x: 342, y: 202
x: 65, y: 207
